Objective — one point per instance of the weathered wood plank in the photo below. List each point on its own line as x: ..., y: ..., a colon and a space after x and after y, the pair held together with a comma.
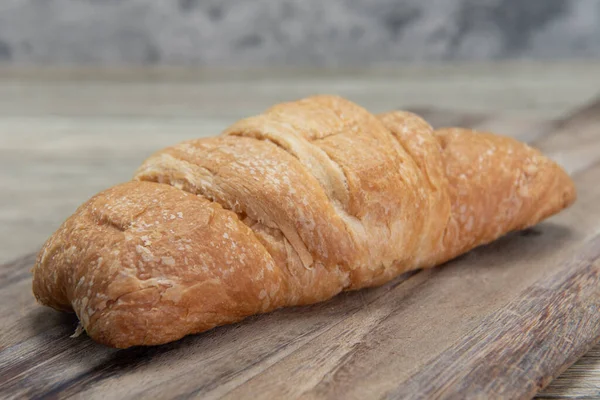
x: 368, y: 342
x: 527, y: 342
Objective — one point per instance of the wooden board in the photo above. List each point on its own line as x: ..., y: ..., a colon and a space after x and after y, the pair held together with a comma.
x: 501, y: 321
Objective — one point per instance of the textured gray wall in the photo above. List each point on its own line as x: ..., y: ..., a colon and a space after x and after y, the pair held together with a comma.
x: 294, y: 32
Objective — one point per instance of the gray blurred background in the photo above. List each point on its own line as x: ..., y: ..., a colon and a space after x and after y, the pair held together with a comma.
x: 244, y: 33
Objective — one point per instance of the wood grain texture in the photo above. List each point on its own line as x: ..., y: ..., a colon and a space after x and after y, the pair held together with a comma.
x: 500, y: 321
x: 580, y: 381
x: 555, y: 315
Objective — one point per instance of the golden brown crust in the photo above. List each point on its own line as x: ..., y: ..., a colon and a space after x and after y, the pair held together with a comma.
x: 496, y: 185
x: 142, y: 262
x: 290, y: 207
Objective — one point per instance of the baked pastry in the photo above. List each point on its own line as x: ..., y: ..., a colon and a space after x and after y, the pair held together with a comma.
x: 290, y: 207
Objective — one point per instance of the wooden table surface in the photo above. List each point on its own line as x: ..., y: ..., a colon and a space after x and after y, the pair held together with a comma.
x: 65, y: 135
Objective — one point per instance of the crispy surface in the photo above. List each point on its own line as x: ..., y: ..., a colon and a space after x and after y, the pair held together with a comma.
x: 286, y: 208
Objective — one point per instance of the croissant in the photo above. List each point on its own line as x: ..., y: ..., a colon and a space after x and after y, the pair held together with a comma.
x: 290, y: 207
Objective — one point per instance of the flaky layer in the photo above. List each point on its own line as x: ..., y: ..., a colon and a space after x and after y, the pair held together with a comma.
x: 290, y: 207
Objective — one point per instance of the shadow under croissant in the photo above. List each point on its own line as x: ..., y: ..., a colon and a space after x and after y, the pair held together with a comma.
x: 259, y: 337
